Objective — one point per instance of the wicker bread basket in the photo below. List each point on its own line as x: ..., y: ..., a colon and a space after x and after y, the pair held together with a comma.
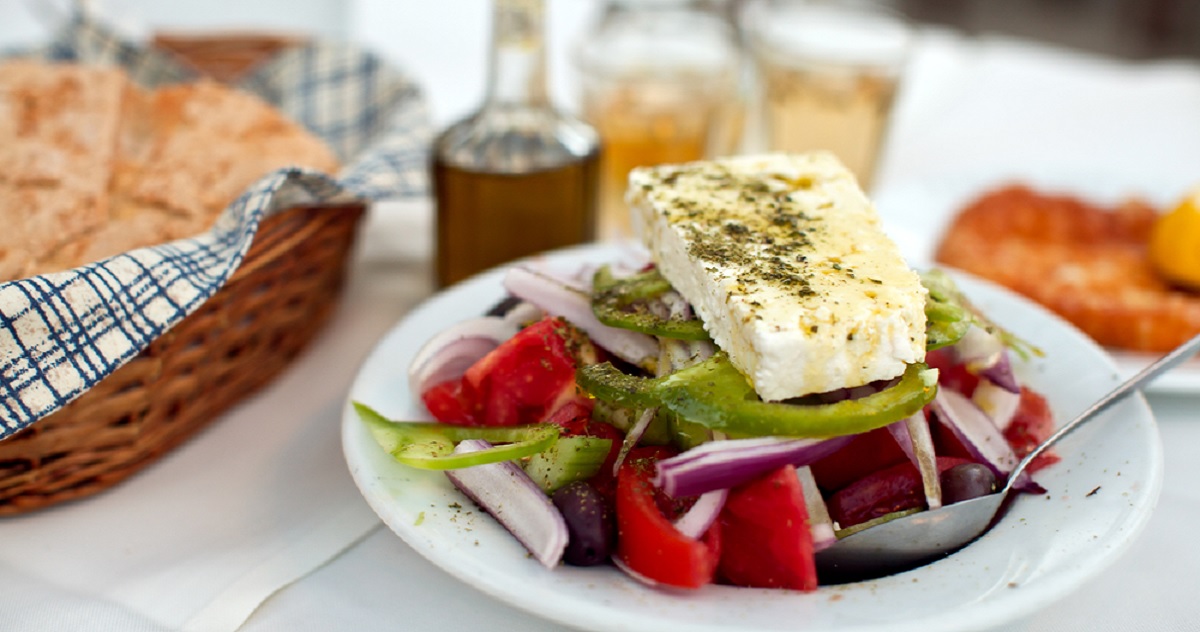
x: 243, y: 336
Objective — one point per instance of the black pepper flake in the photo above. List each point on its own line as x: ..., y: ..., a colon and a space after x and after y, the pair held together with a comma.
x: 737, y: 230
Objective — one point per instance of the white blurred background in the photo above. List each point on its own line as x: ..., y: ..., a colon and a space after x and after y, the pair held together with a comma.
x: 413, y: 33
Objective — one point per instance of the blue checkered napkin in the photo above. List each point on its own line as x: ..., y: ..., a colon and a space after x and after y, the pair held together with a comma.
x: 62, y: 333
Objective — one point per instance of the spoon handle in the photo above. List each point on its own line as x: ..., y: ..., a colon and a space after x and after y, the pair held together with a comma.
x: 1145, y: 376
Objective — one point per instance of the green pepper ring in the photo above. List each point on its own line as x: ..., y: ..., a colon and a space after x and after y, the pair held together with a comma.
x: 613, y: 299
x: 430, y: 446
x: 714, y: 394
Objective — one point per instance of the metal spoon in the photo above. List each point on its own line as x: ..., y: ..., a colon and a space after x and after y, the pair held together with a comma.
x: 916, y: 539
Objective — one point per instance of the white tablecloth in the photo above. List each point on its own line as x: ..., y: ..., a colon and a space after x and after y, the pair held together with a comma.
x: 257, y: 520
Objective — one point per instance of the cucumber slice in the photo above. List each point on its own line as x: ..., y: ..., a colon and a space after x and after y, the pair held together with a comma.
x: 570, y: 459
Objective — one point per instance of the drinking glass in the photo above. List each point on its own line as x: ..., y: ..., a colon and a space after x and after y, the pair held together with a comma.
x: 661, y: 84
x: 828, y: 74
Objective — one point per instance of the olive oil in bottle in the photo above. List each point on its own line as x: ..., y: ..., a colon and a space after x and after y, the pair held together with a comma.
x: 517, y: 177
x: 486, y: 219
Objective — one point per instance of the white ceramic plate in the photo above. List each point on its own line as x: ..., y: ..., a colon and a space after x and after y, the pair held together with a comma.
x: 1100, y: 497
x: 917, y: 213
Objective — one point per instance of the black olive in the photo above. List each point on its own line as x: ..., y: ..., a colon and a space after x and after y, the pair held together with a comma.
x: 966, y: 481
x: 503, y: 307
x: 589, y: 524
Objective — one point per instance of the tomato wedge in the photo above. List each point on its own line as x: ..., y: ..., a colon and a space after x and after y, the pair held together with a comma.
x: 866, y: 453
x: 527, y: 379
x: 647, y: 542
x: 1031, y: 425
x: 451, y: 402
x: 766, y: 541
x: 521, y: 379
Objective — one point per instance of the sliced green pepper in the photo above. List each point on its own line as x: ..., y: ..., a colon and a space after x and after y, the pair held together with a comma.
x: 620, y: 302
x: 946, y: 318
x: 607, y: 383
x: 642, y: 286
x: 949, y: 314
x: 714, y: 394
x: 430, y: 446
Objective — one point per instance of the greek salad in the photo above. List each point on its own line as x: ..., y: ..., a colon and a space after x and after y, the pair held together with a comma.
x: 593, y: 417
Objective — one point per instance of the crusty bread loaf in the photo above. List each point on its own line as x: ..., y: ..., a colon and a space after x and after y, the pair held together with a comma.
x: 92, y: 165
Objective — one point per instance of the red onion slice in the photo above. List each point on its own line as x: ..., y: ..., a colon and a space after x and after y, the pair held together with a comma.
x: 916, y: 441
x: 506, y: 492
x: 633, y: 437
x: 724, y: 464
x: 1000, y: 373
x: 703, y: 513
x: 985, y: 355
x: 819, y: 522
x: 452, y: 351
x: 523, y: 313
x: 977, y: 347
x: 997, y: 402
x: 675, y: 354
x: 899, y: 432
x: 573, y: 302
x: 677, y: 306
x: 975, y: 430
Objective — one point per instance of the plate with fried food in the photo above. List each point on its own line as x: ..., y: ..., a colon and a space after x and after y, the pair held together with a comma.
x: 1119, y: 262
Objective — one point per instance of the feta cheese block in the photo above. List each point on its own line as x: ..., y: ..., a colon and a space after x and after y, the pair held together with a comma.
x: 784, y: 259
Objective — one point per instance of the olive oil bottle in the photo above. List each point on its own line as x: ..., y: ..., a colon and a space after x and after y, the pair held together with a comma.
x: 517, y: 177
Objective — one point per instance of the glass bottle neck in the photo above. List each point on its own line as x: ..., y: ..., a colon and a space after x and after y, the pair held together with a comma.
x: 518, y: 64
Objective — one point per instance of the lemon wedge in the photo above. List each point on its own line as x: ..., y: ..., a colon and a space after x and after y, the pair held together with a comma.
x: 1175, y: 243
